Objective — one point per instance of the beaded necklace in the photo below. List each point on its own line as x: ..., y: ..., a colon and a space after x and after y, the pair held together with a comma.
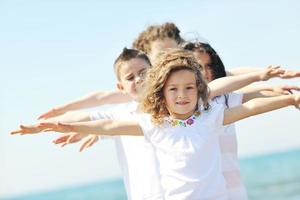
x: 187, y: 122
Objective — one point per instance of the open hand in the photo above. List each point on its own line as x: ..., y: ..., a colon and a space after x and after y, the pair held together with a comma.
x: 69, y: 138
x: 28, y: 129
x: 290, y: 74
x: 271, y: 72
x: 285, y: 89
x: 57, y: 127
x: 90, y: 141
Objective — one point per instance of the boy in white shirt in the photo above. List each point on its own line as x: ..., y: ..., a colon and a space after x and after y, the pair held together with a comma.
x: 182, y: 129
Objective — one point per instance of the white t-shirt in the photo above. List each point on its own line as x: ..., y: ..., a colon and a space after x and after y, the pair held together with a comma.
x: 229, y: 152
x: 137, y: 158
x: 189, y: 157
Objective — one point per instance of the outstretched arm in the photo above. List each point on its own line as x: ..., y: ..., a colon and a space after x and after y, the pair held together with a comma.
x: 68, y: 117
x: 241, y: 70
x: 98, y: 127
x: 258, y: 91
x: 88, y: 101
x: 259, y: 106
x: 224, y: 85
x: 244, y: 70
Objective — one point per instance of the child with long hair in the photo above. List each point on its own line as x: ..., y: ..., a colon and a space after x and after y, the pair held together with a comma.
x: 182, y: 125
x: 214, y: 69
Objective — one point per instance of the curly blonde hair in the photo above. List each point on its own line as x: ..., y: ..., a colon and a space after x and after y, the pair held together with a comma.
x: 168, y: 62
x: 156, y: 32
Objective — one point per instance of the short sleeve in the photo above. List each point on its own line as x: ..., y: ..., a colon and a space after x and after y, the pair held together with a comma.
x: 121, y: 112
x: 235, y: 99
x: 146, y: 125
x: 124, y: 112
x: 216, y: 114
x: 96, y: 115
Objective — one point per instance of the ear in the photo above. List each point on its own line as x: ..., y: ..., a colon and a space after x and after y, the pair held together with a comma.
x: 120, y: 87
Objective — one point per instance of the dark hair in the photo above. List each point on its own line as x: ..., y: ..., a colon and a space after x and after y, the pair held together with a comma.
x: 216, y: 65
x: 126, y: 55
x: 156, y: 32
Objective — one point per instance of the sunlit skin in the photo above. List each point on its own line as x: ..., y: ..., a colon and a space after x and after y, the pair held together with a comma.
x: 131, y: 74
x: 180, y: 94
x: 158, y: 45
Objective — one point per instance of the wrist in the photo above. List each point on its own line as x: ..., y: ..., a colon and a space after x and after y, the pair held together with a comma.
x: 296, y: 98
x: 292, y: 99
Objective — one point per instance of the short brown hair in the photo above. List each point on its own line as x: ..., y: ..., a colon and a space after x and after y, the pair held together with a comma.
x: 169, y: 61
x: 155, y: 32
x: 126, y: 55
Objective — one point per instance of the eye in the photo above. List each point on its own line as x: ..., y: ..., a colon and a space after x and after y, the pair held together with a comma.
x: 172, y: 89
x: 189, y: 87
x: 129, y: 78
x: 142, y: 73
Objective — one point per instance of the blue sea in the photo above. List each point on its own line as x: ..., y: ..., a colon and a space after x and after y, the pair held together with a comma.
x: 272, y: 176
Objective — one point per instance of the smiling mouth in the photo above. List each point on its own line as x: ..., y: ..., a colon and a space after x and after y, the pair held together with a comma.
x: 182, y: 103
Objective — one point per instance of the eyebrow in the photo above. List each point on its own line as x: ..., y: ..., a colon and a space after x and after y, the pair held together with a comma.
x: 184, y: 84
x: 129, y: 74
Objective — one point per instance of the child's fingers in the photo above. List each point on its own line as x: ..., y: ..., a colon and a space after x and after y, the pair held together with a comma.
x: 48, y: 130
x: 16, y: 132
x: 276, y: 73
x: 51, y: 113
x: 289, y: 89
x: 84, y: 145
x: 47, y: 125
x: 90, y: 142
x: 291, y: 74
x: 61, y: 139
x: 273, y: 67
x: 66, y: 125
x: 75, y: 137
x: 44, y: 115
x: 29, y: 127
x: 63, y: 144
x: 296, y: 88
x: 93, y: 141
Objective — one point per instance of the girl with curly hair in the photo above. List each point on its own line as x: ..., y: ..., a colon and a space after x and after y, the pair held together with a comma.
x: 182, y: 125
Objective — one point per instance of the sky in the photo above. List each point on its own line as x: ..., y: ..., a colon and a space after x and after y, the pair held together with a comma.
x: 58, y: 50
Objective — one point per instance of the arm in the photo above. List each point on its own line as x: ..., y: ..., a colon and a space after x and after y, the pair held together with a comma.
x: 68, y: 117
x: 241, y: 70
x: 258, y: 91
x: 88, y: 101
x: 244, y: 70
x: 98, y: 127
x: 259, y: 106
x: 228, y: 84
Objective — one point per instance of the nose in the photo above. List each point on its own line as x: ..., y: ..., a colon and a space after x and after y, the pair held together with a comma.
x: 181, y: 93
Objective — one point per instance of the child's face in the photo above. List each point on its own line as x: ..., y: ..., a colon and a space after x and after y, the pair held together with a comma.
x: 131, y: 75
x: 180, y: 94
x: 205, y: 61
x: 159, y: 45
